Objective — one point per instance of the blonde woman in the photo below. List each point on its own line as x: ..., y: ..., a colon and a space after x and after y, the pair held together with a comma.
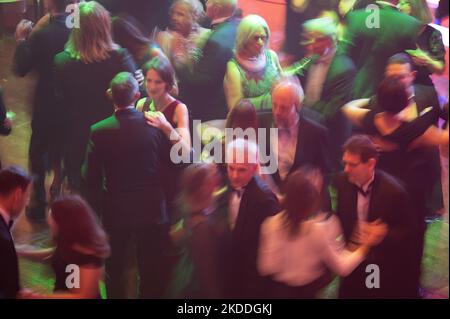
x: 254, y: 68
x: 83, y: 72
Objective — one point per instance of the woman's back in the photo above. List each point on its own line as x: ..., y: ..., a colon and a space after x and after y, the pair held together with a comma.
x: 60, y: 266
x: 302, y: 259
x: 83, y: 86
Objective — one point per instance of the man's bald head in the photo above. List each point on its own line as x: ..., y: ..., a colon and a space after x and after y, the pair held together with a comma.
x: 216, y: 9
x: 287, y: 97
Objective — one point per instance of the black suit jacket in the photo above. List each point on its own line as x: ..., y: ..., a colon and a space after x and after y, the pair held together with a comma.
x: 37, y: 53
x: 389, y: 202
x: 337, y: 87
x: 9, y: 274
x: 370, y: 46
x: 257, y: 203
x: 125, y: 155
x: 203, y: 88
x: 312, y: 148
x: 81, y: 93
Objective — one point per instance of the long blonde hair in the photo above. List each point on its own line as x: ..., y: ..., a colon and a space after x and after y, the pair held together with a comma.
x: 247, y: 29
x: 92, y: 41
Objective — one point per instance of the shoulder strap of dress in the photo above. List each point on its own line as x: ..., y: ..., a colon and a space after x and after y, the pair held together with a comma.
x: 170, y: 110
x: 146, y: 106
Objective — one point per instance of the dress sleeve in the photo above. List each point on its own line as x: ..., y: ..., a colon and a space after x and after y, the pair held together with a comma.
x: 410, y: 131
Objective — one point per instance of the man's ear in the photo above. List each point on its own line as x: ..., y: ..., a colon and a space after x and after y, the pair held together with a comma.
x: 109, y: 93
x: 414, y: 74
x: 137, y: 96
x: 17, y: 193
x: 372, y: 162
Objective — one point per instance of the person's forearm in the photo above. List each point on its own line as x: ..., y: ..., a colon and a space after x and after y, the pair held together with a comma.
x: 437, y: 67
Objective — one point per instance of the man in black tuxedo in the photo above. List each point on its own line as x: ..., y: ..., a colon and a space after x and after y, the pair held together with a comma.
x: 421, y: 96
x: 36, y: 51
x: 373, y: 35
x: 367, y: 197
x: 203, y: 86
x: 250, y: 202
x: 328, y: 83
x: 301, y: 141
x: 428, y: 159
x: 124, y: 156
x: 15, y: 189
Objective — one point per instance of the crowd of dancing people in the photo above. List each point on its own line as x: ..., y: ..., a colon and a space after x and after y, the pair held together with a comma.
x: 359, y: 136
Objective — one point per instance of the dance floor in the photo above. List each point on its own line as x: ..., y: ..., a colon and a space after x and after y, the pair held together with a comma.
x: 14, y: 148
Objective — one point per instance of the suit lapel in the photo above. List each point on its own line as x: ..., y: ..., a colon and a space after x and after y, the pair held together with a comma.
x: 376, y: 198
x: 300, y: 146
x: 348, y: 207
x: 244, y: 210
x: 418, y: 98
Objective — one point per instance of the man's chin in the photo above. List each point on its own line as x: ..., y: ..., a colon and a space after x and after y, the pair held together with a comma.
x: 236, y: 186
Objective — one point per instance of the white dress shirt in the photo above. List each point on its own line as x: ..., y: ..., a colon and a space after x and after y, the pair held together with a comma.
x: 364, y: 201
x: 285, y: 148
x: 300, y: 260
x: 5, y: 216
x: 317, y: 75
x: 234, y: 204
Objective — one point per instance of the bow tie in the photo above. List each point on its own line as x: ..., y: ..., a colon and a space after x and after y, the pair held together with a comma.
x: 363, y: 192
x: 239, y: 192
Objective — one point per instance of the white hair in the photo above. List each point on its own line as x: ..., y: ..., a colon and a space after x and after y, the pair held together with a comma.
x: 294, y: 86
x: 242, y: 151
x: 195, y: 6
x: 225, y: 3
x: 325, y: 26
x: 247, y: 29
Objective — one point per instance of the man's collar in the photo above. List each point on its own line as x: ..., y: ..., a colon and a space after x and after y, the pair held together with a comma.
x: 293, y: 126
x: 367, y: 184
x: 411, y: 92
x: 5, y: 215
x: 119, y: 110
x: 216, y: 22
